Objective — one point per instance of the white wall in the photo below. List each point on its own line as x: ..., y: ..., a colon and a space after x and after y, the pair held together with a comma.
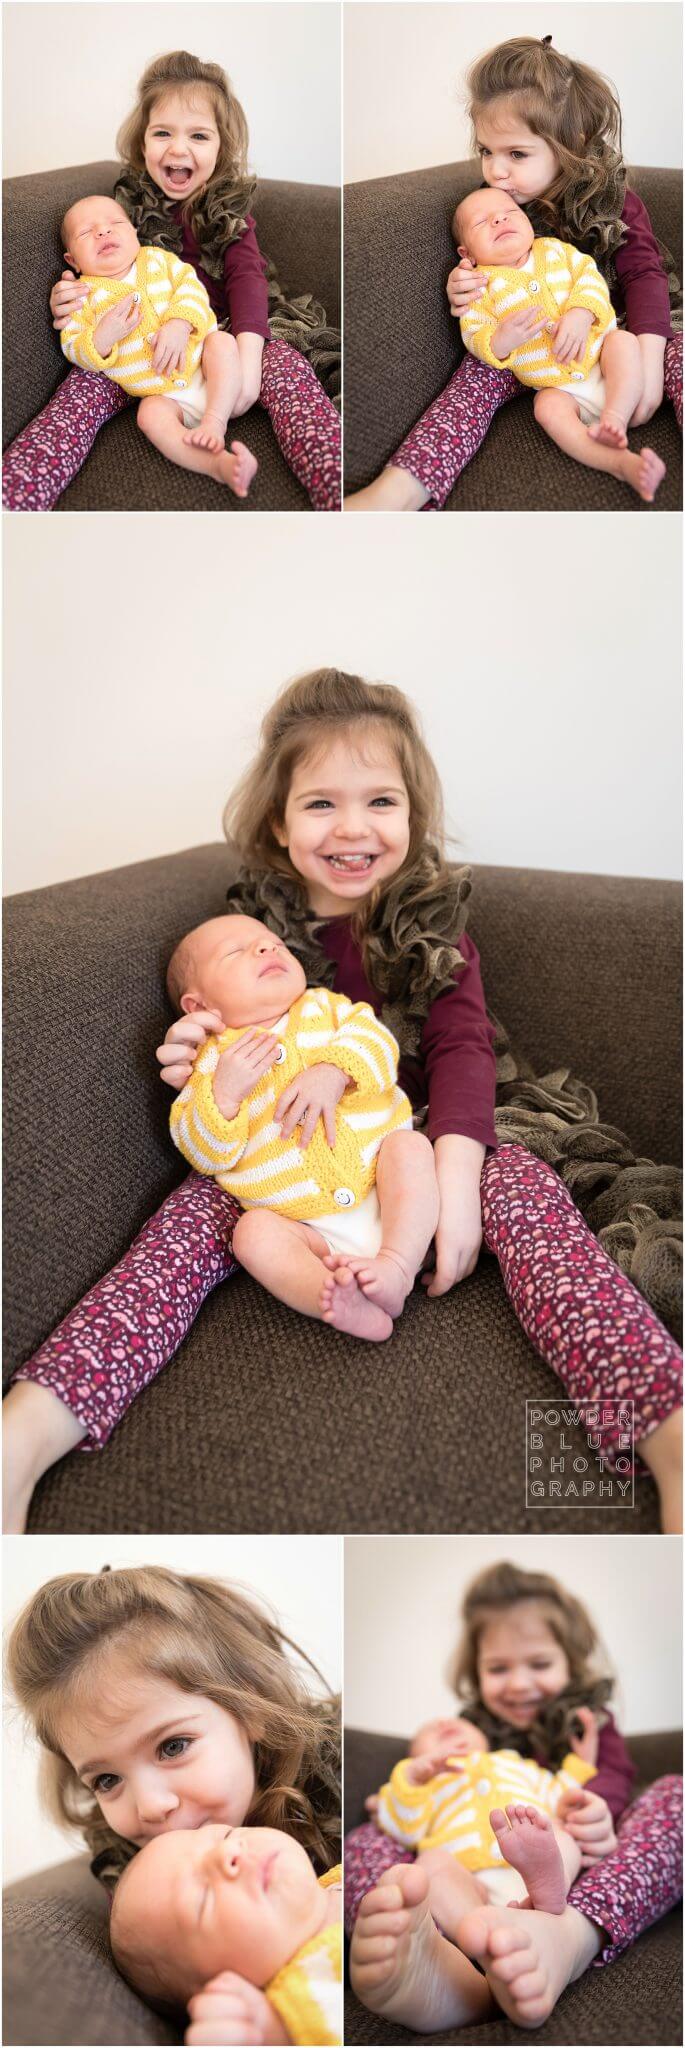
x: 404, y: 100
x: 282, y: 57
x: 544, y: 657
x: 300, y: 1577
x: 402, y: 1603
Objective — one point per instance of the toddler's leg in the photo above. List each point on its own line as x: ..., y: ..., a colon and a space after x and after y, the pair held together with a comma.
x: 673, y: 375
x: 409, y: 1202
x: 431, y: 458
x: 557, y: 412
x: 305, y: 423
x: 642, y: 1878
x: 621, y: 364
x: 286, y: 1257
x: 50, y: 451
x: 221, y: 372
x: 118, y: 1338
x: 583, y: 1315
x: 161, y: 422
x: 452, y: 1890
x: 402, y: 1967
x: 546, y: 1856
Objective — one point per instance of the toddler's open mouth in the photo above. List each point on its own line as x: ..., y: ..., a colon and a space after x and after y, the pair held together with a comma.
x: 177, y: 175
x: 350, y: 863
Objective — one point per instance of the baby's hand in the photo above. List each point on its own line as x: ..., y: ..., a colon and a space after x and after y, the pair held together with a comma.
x: 230, y: 2013
x: 586, y: 1745
x: 465, y: 286
x: 169, y: 346
x: 66, y: 297
x: 569, y: 338
x: 420, y: 1768
x: 517, y: 328
x: 315, y: 1093
x: 240, y: 1068
x: 182, y: 1044
x: 117, y: 324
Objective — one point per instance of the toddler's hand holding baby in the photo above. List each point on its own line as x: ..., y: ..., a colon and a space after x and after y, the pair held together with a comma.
x: 586, y: 1816
x: 169, y: 346
x: 315, y: 1093
x: 465, y: 286
x: 231, y: 2013
x: 116, y: 325
x: 570, y: 336
x: 182, y: 1044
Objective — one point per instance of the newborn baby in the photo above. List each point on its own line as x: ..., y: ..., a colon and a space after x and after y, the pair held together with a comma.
x: 197, y: 1903
x: 546, y: 314
x: 358, y: 1194
x: 149, y: 325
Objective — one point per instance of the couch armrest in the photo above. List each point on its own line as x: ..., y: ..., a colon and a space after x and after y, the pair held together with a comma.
x: 60, y: 1986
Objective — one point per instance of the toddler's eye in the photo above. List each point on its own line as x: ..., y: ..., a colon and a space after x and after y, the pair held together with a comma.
x: 175, y: 1745
x: 320, y: 803
x: 104, y: 1784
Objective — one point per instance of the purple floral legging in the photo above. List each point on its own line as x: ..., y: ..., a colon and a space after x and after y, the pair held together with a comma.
x: 450, y: 433
x: 633, y: 1887
x: 581, y: 1313
x: 50, y: 451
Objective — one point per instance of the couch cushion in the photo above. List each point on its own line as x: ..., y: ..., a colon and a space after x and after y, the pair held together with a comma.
x: 60, y: 1985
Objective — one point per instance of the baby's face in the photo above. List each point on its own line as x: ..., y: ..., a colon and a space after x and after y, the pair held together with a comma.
x: 214, y: 1899
x: 238, y: 968
x: 493, y: 229
x: 442, y: 1738
x: 99, y: 238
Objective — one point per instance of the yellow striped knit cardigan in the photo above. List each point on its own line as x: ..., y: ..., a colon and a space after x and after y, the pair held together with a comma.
x: 453, y: 1812
x: 249, y: 1156
x: 307, y: 1992
x: 556, y: 279
x: 168, y: 290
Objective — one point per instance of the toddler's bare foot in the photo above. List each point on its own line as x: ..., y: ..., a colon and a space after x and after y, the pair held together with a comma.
x: 528, y: 1958
x: 402, y: 1967
x: 385, y: 1280
x: 611, y: 429
x: 342, y: 1303
x: 210, y: 434
x: 393, y: 491
x: 644, y: 473
x: 527, y: 1841
x: 236, y: 467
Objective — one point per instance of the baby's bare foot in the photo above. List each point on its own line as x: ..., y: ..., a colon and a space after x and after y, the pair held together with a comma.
x: 527, y: 1841
x: 211, y: 433
x: 402, y: 1967
x: 528, y: 1958
x: 342, y: 1303
x: 236, y: 467
x: 644, y: 473
x: 385, y: 1280
x: 611, y: 429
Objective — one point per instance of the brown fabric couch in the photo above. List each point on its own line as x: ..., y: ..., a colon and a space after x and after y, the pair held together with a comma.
x: 402, y: 346
x: 308, y: 1430
x: 298, y: 227
x: 636, y: 1999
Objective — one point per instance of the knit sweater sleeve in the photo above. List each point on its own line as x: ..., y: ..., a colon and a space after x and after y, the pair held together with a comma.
x: 572, y: 1771
x: 588, y: 289
x: 478, y: 325
x: 361, y: 1046
x: 457, y: 1055
x: 404, y: 1810
x: 77, y: 338
x: 189, y: 299
x: 209, y: 1141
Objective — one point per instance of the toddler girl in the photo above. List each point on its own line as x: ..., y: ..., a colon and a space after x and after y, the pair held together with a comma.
x: 527, y: 1671
x: 360, y: 1154
x: 235, y: 1925
x: 548, y: 133
x: 339, y: 826
x: 177, y: 355
x: 185, y: 187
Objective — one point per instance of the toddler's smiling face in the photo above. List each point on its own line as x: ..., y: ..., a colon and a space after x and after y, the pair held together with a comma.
x: 155, y: 1757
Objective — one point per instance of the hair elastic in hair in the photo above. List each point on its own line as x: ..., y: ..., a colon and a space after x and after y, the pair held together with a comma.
x: 545, y: 40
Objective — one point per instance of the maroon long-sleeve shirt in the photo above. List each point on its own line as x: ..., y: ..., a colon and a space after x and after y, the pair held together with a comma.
x: 454, y: 1072
x: 642, y: 293
x: 242, y: 291
x: 615, y: 1770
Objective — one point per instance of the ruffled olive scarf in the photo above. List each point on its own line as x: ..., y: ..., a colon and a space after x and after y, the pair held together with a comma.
x: 602, y: 242
x: 410, y: 951
x: 219, y: 217
x: 549, y: 1737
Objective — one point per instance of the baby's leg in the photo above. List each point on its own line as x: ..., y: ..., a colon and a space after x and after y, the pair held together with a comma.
x: 222, y: 375
x: 408, y: 1198
x: 546, y: 1856
x: 622, y: 372
x: 402, y: 1967
x: 557, y: 412
x: 286, y: 1257
x: 161, y: 421
x: 37, y: 1429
